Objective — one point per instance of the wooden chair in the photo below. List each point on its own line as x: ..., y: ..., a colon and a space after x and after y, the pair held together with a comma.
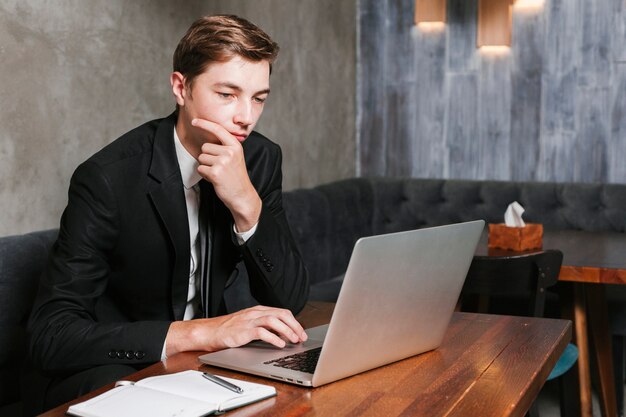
x: 524, y: 278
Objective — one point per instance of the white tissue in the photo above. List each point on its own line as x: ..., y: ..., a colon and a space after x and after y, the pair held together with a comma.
x: 513, y: 215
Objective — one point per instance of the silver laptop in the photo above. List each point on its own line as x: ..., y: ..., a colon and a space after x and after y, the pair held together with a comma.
x: 396, y: 301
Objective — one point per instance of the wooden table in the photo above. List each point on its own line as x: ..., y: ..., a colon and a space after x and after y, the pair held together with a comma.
x: 589, y: 259
x: 487, y: 366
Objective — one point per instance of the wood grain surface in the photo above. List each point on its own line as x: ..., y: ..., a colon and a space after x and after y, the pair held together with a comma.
x: 487, y: 366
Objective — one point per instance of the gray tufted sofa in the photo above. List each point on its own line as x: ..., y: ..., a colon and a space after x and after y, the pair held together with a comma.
x: 326, y: 222
x: 22, y: 259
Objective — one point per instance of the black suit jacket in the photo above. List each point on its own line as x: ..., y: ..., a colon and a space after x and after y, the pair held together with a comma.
x: 118, y: 274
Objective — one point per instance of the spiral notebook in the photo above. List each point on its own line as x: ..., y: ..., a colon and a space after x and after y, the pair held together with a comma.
x: 183, y: 394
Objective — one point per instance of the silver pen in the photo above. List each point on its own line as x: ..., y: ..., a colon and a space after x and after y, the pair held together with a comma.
x: 222, y: 383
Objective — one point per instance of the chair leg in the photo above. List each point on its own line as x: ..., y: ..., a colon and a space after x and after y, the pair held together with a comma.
x: 618, y: 369
x: 569, y: 390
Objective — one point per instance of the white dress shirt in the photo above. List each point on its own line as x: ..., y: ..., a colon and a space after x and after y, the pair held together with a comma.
x: 189, y: 172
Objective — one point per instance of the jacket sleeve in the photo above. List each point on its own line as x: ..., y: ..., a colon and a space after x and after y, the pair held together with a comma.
x: 64, y: 331
x: 275, y: 268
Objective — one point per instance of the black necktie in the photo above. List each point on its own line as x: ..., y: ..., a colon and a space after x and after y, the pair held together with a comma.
x: 204, y: 226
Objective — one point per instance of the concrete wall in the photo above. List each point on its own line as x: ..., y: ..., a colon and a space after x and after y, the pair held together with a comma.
x: 550, y: 109
x: 311, y: 109
x: 76, y: 74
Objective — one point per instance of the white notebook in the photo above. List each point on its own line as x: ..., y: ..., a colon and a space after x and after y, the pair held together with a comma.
x: 183, y: 394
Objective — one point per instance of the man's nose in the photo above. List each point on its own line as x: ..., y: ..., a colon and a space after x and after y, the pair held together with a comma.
x: 243, y: 115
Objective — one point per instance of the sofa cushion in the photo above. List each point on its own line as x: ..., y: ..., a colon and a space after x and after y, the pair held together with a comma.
x: 326, y: 221
x: 22, y: 259
x: 11, y: 410
x: 327, y: 290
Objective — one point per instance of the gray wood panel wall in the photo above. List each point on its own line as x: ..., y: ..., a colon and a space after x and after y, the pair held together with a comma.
x: 553, y: 108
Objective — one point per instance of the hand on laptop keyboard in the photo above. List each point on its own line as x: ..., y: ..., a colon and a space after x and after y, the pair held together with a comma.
x: 268, y: 324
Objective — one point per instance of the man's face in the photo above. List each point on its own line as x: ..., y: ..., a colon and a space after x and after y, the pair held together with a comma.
x: 231, y: 94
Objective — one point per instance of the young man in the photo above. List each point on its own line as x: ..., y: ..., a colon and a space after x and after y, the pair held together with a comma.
x: 157, y: 220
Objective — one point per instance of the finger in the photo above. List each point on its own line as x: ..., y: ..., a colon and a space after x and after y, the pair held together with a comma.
x: 265, y: 335
x: 212, y: 173
x: 284, y: 316
x: 259, y: 307
x: 214, y: 149
x: 287, y: 317
x: 289, y: 320
x: 277, y: 326
x: 210, y: 160
x: 215, y: 130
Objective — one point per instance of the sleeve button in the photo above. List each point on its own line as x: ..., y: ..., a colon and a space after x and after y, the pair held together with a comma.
x: 139, y: 354
x: 129, y: 354
x: 121, y: 354
x: 112, y: 354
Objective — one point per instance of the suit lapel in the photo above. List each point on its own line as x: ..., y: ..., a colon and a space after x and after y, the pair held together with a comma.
x: 168, y: 197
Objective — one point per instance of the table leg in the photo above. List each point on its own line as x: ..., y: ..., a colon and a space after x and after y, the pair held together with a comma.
x: 601, y: 335
x: 582, y: 341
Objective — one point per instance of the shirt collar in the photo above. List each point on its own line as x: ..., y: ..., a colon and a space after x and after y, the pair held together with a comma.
x: 187, y: 163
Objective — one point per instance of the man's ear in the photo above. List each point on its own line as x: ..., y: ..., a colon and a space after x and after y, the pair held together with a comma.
x: 177, y: 80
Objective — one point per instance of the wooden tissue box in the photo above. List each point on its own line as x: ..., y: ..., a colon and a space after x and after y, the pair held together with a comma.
x: 518, y: 239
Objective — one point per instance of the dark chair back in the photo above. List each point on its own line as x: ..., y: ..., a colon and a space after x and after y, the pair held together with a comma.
x: 22, y: 260
x: 527, y: 275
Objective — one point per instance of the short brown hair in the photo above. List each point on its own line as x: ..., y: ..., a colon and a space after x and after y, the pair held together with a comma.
x: 217, y: 39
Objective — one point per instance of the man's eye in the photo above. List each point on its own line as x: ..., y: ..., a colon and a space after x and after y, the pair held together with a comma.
x: 225, y: 95
x: 260, y: 100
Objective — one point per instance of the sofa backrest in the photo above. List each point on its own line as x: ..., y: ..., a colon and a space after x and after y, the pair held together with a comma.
x: 402, y: 204
x: 327, y: 220
x: 22, y: 259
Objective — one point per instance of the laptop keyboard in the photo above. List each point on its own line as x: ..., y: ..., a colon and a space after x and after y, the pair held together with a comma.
x: 304, y: 361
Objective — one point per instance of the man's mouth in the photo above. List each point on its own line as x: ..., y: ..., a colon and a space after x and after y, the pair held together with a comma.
x: 239, y: 136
